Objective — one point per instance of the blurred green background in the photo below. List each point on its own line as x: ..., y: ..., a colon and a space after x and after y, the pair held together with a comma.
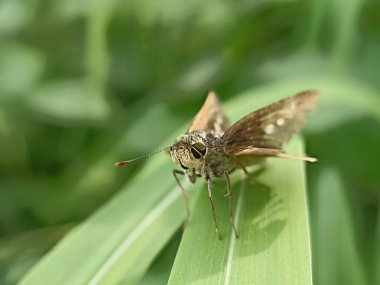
x: 86, y: 83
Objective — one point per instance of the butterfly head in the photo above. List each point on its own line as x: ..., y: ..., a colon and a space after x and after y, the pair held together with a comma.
x: 189, y: 151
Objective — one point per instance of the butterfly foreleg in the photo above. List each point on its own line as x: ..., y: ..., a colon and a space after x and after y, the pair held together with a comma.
x: 185, y: 196
x: 229, y: 194
x: 209, y: 188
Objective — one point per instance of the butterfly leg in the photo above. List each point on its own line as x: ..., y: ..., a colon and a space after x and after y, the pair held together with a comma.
x: 229, y: 194
x: 209, y: 187
x: 185, y: 196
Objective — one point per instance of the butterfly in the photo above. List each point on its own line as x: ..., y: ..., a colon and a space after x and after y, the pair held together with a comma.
x: 212, y: 148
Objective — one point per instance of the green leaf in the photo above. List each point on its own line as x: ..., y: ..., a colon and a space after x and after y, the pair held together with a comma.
x: 68, y: 100
x: 122, y: 237
x: 159, y: 271
x: 21, y: 68
x: 337, y: 257
x: 18, y: 253
x: 274, y: 242
x: 376, y: 263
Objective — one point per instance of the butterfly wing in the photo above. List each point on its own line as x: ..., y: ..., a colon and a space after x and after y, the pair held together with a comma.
x: 269, y: 127
x: 210, y: 116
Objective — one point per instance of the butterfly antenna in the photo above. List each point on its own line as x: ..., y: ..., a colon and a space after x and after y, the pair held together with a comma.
x: 121, y: 163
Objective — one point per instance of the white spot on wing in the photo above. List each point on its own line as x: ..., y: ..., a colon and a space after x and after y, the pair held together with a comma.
x: 280, y: 122
x: 269, y: 129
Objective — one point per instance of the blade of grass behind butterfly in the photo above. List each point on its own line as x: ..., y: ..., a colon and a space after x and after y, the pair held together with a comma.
x: 337, y: 256
x: 121, y: 239
x: 158, y: 273
x: 376, y: 263
x: 274, y: 243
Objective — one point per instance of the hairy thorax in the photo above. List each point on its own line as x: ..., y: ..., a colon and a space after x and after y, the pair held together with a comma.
x: 200, y: 154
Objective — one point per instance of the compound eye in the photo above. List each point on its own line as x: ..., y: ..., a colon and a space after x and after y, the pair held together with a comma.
x: 198, y: 150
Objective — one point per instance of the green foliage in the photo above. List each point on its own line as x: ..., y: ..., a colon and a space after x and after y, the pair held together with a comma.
x: 86, y: 83
x: 337, y: 253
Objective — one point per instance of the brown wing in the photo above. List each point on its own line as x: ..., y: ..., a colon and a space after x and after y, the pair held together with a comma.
x: 210, y: 116
x: 271, y: 126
